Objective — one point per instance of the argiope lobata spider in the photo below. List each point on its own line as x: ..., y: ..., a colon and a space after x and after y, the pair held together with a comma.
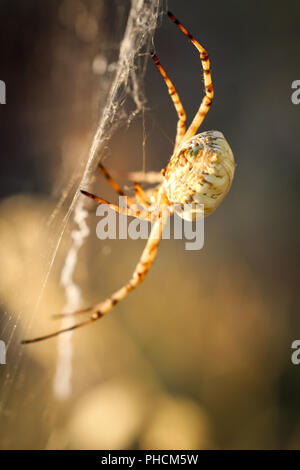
x: 200, y: 171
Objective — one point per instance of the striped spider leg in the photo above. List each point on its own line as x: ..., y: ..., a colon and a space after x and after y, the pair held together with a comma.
x: 131, y: 208
x: 200, y: 171
x: 149, y: 213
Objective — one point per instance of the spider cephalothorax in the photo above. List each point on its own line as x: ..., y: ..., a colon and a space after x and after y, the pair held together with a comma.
x: 199, y: 172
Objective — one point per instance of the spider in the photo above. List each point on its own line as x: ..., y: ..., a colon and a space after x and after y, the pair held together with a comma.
x: 200, y: 171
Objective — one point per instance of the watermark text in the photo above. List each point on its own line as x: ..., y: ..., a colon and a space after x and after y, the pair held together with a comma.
x: 295, y: 96
x: 2, y: 92
x: 2, y: 352
x: 188, y: 223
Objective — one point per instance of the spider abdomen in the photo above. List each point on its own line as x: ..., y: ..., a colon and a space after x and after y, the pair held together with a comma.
x: 201, y: 171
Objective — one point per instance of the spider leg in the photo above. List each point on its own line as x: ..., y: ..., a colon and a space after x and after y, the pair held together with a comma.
x: 141, y: 195
x: 176, y: 101
x: 209, y: 90
x: 151, y: 177
x: 139, y: 274
x: 114, y: 184
x: 133, y: 211
x: 64, y: 330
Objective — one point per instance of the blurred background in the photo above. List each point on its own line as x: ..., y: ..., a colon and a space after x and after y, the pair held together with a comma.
x: 199, y: 356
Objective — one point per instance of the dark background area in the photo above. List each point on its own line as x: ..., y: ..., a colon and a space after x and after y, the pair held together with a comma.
x: 206, y: 341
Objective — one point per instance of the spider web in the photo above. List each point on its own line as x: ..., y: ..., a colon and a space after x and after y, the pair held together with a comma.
x: 139, y: 31
x: 124, y: 100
